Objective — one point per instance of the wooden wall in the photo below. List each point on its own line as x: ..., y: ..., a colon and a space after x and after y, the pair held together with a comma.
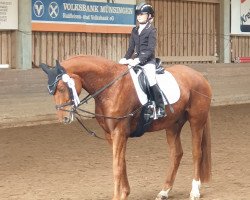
x: 240, y: 47
x: 5, y: 47
x: 48, y: 46
x: 187, y: 30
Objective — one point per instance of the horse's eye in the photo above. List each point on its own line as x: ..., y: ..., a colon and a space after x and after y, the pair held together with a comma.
x: 61, y: 90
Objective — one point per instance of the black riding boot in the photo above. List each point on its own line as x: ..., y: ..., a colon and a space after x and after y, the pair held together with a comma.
x: 160, y: 107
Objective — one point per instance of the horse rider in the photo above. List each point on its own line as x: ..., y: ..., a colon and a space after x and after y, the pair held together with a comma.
x: 142, y: 46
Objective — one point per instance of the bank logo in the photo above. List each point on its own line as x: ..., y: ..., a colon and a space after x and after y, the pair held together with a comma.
x: 38, y: 8
x: 53, y: 10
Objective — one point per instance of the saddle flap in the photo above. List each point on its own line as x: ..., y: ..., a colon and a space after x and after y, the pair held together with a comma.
x: 158, y: 67
x: 144, y: 84
x: 167, y: 84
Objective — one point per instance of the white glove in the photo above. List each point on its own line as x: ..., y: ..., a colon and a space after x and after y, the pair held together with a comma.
x: 134, y: 62
x: 123, y: 61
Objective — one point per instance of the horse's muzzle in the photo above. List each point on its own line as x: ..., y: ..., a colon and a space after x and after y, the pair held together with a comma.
x: 68, y: 119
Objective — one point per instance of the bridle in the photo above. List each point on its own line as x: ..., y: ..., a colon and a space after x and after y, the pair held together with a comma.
x: 73, y: 96
x: 70, y: 103
x: 75, y: 103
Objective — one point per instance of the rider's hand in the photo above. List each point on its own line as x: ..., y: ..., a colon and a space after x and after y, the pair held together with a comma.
x: 134, y: 62
x: 123, y: 61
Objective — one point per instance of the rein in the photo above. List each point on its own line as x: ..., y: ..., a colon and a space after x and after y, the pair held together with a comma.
x: 88, y: 97
x: 91, y: 133
x: 94, y: 115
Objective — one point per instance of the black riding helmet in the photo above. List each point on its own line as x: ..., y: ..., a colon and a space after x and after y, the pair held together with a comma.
x: 144, y: 8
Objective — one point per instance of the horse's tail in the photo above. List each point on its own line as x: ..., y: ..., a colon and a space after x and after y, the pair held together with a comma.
x: 206, y: 164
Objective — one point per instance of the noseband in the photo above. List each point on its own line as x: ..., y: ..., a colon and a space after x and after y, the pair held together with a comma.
x: 61, y: 106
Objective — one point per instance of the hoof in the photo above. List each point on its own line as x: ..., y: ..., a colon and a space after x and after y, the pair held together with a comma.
x: 161, y: 198
x: 194, y: 198
x: 163, y: 195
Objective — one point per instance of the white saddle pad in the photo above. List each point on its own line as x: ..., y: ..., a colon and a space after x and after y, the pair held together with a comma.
x: 167, y: 84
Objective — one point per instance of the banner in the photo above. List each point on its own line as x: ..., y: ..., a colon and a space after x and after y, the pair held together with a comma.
x: 83, y: 16
x: 8, y: 14
x: 240, y: 17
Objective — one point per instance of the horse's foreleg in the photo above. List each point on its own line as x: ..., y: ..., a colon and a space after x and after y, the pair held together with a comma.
x: 121, y: 185
x: 176, y: 152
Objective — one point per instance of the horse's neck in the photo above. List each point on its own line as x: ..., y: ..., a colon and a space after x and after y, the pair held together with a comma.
x: 94, y: 77
x: 94, y: 81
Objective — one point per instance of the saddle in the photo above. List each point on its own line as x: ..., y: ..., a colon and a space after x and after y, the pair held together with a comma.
x: 147, y: 110
x: 142, y: 78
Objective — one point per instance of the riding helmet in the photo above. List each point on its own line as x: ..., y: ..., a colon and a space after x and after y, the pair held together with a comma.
x: 144, y: 8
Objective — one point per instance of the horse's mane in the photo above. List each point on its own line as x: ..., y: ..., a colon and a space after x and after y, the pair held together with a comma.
x: 100, y: 61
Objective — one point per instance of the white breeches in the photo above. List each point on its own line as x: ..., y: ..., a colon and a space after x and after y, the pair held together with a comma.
x: 150, y: 73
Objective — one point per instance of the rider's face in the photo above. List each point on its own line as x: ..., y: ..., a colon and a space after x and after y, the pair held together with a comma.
x: 142, y: 18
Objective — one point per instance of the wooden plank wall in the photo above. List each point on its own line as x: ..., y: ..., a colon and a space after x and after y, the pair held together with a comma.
x: 240, y: 46
x: 186, y: 28
x: 48, y: 46
x: 184, y: 32
x: 5, y: 47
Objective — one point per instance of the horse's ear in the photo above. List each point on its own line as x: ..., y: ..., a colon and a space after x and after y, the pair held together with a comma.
x: 59, y: 68
x: 57, y: 64
x: 44, y: 67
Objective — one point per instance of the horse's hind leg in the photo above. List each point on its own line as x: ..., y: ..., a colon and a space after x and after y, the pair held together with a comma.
x: 196, y: 151
x: 176, y: 152
x: 201, y: 145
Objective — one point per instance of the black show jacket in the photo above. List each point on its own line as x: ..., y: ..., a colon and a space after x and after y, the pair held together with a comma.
x: 143, y: 45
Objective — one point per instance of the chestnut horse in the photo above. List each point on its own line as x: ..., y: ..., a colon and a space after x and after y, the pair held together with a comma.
x: 93, y: 73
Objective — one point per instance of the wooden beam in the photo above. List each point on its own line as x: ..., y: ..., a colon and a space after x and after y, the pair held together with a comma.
x: 212, y: 59
x: 204, y: 1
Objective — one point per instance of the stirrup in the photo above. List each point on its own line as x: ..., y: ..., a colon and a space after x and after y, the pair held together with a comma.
x: 157, y: 112
x: 152, y: 106
x: 160, y: 112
